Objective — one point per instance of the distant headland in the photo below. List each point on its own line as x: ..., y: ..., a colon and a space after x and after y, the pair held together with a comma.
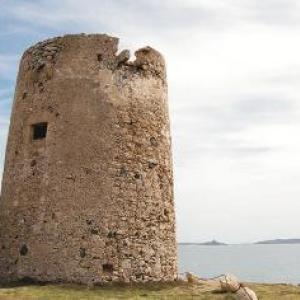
x: 279, y: 241
x: 264, y: 242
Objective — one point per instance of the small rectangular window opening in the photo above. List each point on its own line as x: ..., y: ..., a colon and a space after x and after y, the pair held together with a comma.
x: 108, y: 268
x: 39, y: 130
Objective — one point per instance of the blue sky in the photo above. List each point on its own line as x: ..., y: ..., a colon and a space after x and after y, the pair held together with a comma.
x: 233, y: 73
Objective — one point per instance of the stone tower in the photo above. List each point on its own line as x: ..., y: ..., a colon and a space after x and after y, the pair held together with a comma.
x: 87, y: 193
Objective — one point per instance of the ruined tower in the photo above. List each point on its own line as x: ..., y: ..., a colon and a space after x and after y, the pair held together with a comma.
x: 87, y: 192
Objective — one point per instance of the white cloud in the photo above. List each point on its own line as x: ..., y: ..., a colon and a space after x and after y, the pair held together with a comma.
x: 8, y: 64
x: 4, y: 123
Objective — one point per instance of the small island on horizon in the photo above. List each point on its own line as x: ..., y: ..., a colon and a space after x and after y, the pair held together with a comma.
x: 209, y: 243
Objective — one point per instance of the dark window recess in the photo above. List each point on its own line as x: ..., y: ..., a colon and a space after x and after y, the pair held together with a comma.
x: 24, y: 250
x: 108, y: 268
x: 82, y: 252
x: 99, y: 57
x: 39, y: 130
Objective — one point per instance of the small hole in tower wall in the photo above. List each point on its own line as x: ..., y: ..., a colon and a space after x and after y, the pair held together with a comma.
x: 108, y: 268
x: 82, y: 252
x: 24, y: 250
x: 99, y: 57
x: 39, y: 131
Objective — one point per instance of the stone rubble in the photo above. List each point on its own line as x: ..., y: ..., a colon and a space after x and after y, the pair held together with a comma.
x: 224, y: 283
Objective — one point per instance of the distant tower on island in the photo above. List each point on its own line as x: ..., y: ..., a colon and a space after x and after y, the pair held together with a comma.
x: 87, y: 192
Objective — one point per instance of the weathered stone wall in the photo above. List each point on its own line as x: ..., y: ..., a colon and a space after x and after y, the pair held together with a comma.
x: 93, y: 201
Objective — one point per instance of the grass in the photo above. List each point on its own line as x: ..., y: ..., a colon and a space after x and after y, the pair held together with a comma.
x: 167, y: 291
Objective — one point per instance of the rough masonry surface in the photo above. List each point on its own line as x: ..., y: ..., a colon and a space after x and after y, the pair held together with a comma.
x: 87, y: 192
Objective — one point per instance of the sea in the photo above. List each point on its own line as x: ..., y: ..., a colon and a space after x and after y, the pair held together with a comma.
x: 277, y: 263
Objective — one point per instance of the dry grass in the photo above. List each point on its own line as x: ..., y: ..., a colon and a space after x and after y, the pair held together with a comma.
x: 178, y: 290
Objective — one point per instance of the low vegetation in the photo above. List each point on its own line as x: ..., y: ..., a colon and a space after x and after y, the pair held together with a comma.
x: 178, y: 290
